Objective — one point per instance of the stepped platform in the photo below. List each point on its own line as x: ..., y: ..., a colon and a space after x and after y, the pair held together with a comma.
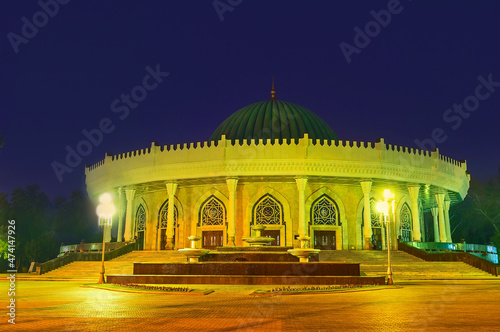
x: 373, y: 263
x: 90, y: 270
x: 251, y: 268
x: 404, y: 265
x: 265, y: 265
x: 272, y: 256
x: 253, y: 249
x: 248, y: 273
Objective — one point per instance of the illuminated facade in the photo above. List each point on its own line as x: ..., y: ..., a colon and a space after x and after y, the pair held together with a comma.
x: 277, y: 164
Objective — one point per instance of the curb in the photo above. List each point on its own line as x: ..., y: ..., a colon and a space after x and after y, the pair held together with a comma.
x: 194, y: 292
x: 312, y: 292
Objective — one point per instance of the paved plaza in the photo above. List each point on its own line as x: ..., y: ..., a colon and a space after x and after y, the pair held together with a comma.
x: 437, y: 305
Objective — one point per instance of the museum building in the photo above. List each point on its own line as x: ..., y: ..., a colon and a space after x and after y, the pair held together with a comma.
x: 277, y: 164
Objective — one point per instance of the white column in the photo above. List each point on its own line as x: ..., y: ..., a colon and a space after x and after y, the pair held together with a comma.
x: 434, y: 211
x: 417, y: 235
x: 301, y: 185
x: 231, y: 213
x: 158, y: 231
x: 442, y: 229
x: 129, y: 193
x: 447, y: 221
x: 367, y: 228
x: 119, y: 235
x: 423, y: 230
x: 171, y: 188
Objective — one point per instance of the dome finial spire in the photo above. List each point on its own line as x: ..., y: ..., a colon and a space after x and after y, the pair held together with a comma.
x: 273, y: 92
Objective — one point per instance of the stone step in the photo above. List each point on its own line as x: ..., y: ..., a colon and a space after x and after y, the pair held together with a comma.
x: 404, y: 265
x: 246, y: 280
x: 120, y: 265
x: 372, y: 263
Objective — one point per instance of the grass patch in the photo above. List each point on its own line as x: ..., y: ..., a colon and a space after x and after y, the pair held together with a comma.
x: 288, y: 290
x: 152, y: 289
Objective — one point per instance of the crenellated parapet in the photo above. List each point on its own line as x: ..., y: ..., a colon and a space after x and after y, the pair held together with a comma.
x: 322, y: 158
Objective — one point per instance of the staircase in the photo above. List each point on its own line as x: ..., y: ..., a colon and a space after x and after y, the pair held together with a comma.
x: 404, y: 265
x: 120, y: 265
x: 372, y: 263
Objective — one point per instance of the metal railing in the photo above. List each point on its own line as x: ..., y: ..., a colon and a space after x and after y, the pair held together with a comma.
x: 459, y: 247
x: 90, y: 247
x: 71, y: 256
x: 486, y: 260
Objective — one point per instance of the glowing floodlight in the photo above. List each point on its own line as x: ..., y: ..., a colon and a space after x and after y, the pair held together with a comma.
x: 105, y: 210
x: 388, y: 195
x: 383, y: 207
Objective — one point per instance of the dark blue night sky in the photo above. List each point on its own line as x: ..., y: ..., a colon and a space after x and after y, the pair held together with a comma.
x: 432, y: 70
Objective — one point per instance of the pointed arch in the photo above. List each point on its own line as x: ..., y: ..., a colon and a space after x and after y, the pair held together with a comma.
x: 163, y: 214
x: 141, y: 202
x: 378, y: 229
x: 199, y: 203
x: 141, y: 221
x: 285, y: 227
x: 324, y: 211
x: 341, y: 228
x: 267, y: 211
x: 140, y: 218
x: 405, y: 232
x: 211, y: 223
x: 212, y: 212
x: 405, y: 223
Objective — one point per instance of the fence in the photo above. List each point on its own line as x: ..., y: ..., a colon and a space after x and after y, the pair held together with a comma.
x: 72, y: 256
x: 444, y: 252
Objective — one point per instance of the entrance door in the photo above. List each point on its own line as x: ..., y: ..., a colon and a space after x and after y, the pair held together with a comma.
x: 163, y: 238
x: 140, y: 240
x: 324, y: 240
x: 405, y: 235
x: 377, y: 238
x: 212, y: 239
x: 275, y: 234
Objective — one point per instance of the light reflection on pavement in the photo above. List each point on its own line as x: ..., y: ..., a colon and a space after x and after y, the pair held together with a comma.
x: 417, y: 306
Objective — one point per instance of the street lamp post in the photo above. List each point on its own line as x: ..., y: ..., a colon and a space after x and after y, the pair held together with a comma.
x: 383, y: 208
x: 105, y: 211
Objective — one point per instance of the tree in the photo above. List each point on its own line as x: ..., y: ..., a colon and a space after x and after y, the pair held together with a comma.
x: 75, y: 219
x: 486, y: 200
x: 31, y: 209
x: 42, y: 225
x: 477, y: 218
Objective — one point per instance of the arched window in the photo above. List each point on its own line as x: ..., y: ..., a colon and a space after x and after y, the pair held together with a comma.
x: 213, y: 212
x: 377, y: 237
x: 163, y: 215
x: 325, y: 212
x: 267, y: 211
x: 140, y: 218
x: 405, y: 222
x: 374, y: 214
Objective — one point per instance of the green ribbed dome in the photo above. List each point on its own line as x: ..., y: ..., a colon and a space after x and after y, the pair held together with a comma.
x: 275, y: 119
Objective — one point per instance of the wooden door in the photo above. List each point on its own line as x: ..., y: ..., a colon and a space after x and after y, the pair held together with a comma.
x: 212, y: 239
x: 377, y: 238
x: 275, y: 234
x: 324, y: 240
x: 140, y: 240
x: 163, y: 238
